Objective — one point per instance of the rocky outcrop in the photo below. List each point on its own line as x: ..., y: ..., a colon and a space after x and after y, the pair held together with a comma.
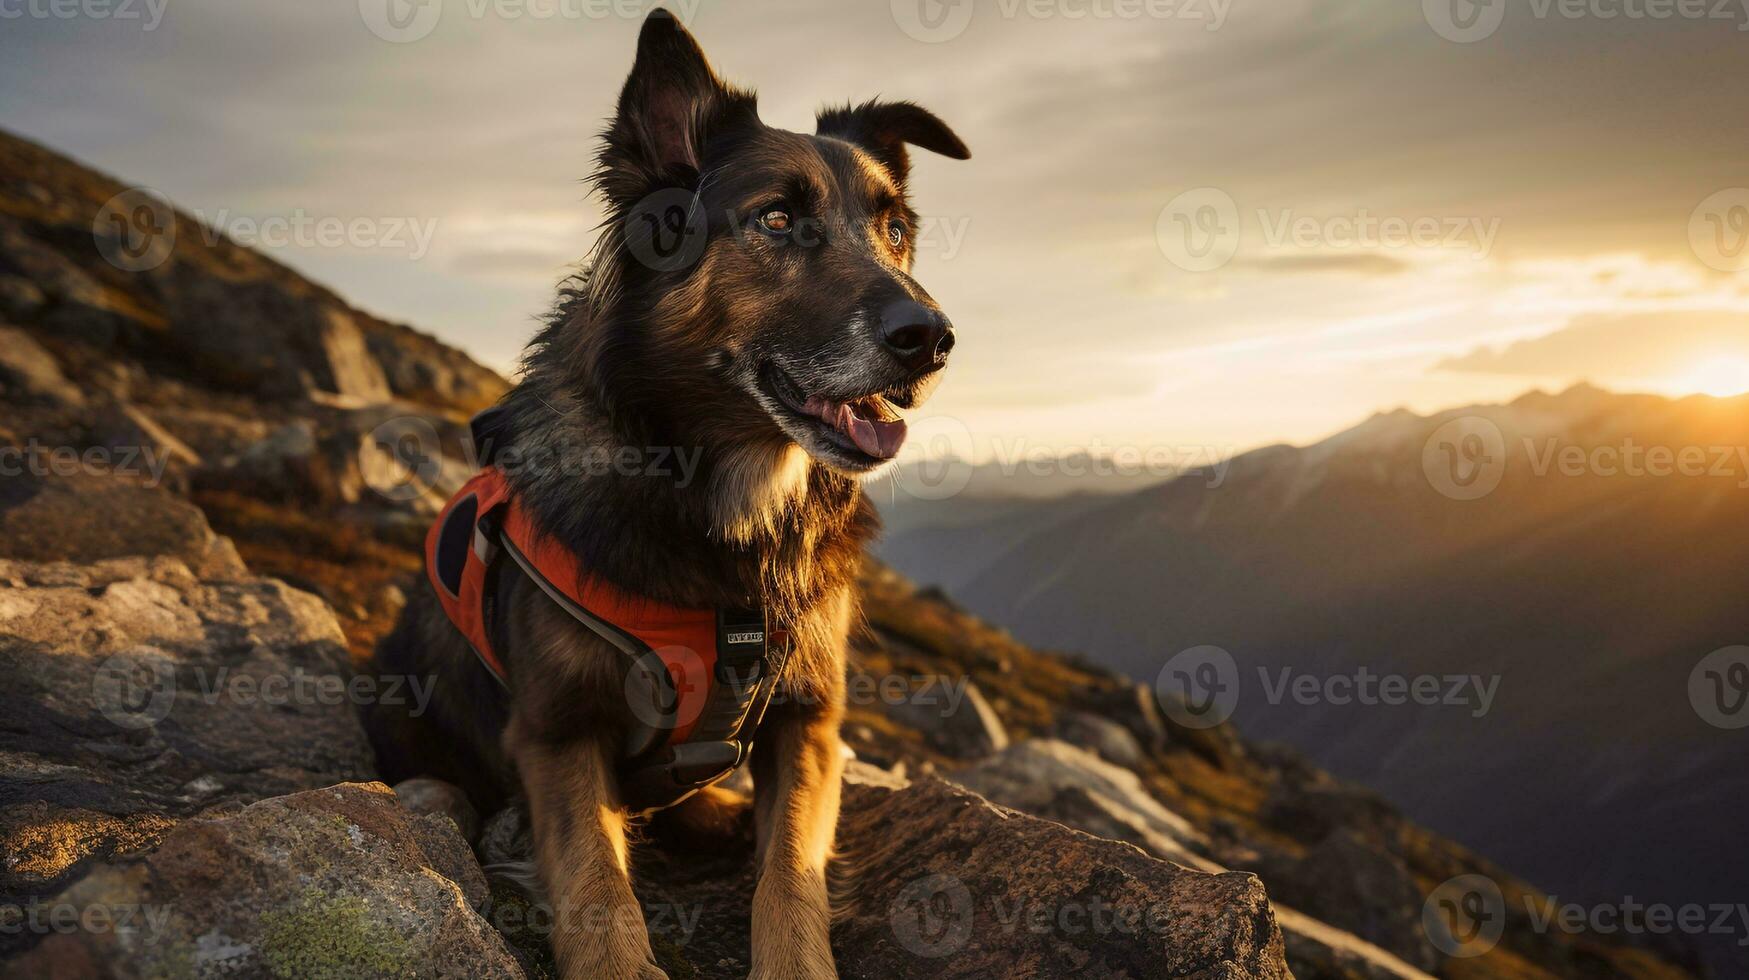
x: 333, y: 883
x: 192, y: 304
x: 1060, y: 782
x: 953, y: 717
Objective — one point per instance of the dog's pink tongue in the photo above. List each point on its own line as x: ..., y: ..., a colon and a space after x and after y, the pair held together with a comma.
x: 880, y: 438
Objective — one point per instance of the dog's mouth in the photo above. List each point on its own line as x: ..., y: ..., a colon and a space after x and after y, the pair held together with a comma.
x: 860, y: 433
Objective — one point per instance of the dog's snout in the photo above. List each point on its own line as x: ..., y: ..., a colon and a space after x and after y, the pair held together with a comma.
x: 918, y: 336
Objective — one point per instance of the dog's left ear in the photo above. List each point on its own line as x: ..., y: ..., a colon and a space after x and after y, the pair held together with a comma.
x: 671, y: 105
x: 883, y: 129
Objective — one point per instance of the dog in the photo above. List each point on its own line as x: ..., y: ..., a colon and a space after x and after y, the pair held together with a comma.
x: 748, y: 306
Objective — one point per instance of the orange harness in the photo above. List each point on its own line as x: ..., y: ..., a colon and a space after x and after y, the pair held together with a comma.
x: 697, y: 680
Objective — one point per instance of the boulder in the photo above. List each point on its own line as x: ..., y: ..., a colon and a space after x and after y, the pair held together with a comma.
x: 958, y: 725
x: 949, y: 885
x: 335, y: 882
x: 87, y: 517
x: 1109, y: 740
x: 434, y: 796
x: 1358, y: 886
x: 1057, y: 781
x: 28, y: 373
x: 138, y: 694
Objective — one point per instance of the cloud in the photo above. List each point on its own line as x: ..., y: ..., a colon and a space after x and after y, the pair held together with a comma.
x: 1635, y: 345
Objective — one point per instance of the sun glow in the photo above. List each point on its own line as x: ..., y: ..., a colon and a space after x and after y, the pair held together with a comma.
x: 1721, y: 376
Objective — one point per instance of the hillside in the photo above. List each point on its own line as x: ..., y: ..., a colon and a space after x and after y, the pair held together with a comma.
x: 254, y: 515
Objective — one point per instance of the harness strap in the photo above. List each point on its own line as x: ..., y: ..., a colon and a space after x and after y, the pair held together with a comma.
x: 697, y: 681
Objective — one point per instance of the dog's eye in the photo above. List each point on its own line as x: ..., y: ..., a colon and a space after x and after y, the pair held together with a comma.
x: 775, y: 220
x: 895, y: 234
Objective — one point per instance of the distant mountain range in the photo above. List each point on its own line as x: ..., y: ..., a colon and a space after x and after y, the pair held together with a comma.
x: 1581, y: 552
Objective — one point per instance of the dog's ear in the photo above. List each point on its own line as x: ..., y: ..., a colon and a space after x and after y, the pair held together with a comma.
x: 671, y: 104
x: 883, y: 129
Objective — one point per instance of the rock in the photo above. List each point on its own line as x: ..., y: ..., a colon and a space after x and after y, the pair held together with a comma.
x: 19, y: 298
x: 1057, y: 781
x: 28, y: 373
x: 963, y: 727
x: 1316, y: 951
x: 345, y: 362
x: 336, y: 882
x: 434, y: 796
x: 1358, y: 887
x: 124, y: 428
x: 1134, y: 706
x: 137, y: 695
x: 212, y: 434
x: 1110, y: 740
x: 950, y: 885
x: 91, y: 517
x: 421, y: 369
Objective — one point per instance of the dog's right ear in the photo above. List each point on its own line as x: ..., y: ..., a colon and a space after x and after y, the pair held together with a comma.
x: 671, y: 105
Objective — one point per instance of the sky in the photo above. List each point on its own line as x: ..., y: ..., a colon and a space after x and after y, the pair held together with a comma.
x: 1186, y: 224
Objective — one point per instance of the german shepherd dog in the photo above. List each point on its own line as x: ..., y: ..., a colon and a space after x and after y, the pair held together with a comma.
x: 782, y: 352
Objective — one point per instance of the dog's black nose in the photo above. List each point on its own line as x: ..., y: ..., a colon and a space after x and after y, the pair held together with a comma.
x: 917, y: 335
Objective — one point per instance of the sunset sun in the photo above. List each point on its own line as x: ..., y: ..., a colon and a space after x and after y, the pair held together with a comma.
x: 1722, y: 376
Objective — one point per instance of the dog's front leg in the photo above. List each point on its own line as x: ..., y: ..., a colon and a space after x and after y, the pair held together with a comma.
x: 797, y: 771
x: 580, y: 846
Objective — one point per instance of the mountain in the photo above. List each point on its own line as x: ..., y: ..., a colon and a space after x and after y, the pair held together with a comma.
x: 180, y: 601
x: 952, y: 518
x: 1584, y: 555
